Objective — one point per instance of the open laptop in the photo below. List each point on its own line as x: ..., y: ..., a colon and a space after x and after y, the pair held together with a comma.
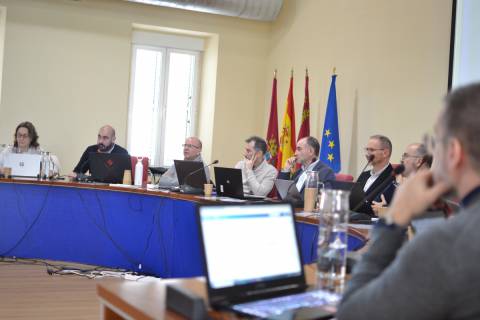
x: 23, y: 164
x: 253, y: 261
x: 229, y: 183
x: 108, y: 167
x: 190, y: 173
x: 285, y: 188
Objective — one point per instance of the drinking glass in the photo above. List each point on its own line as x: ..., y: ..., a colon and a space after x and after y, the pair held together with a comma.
x: 332, y: 239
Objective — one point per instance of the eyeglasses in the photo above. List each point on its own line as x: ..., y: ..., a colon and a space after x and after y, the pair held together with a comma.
x: 371, y: 150
x: 187, y: 145
x: 406, y: 155
x: 24, y: 136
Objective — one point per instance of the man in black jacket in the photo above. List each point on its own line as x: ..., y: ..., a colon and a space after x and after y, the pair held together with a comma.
x: 105, y: 144
x: 378, y: 151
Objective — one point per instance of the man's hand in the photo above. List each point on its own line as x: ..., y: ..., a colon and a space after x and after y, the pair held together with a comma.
x: 414, y: 196
x: 250, y: 162
x: 289, y: 164
x: 71, y: 175
x: 376, y: 206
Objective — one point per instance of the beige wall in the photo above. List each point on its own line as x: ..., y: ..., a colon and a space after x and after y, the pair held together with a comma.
x: 391, y: 59
x: 67, y: 68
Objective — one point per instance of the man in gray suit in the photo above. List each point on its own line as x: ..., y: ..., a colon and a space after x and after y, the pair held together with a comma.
x: 436, y: 275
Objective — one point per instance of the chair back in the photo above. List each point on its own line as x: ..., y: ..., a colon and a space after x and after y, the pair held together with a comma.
x: 343, y: 177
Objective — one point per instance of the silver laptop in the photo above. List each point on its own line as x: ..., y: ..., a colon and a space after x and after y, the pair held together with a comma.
x: 23, y: 164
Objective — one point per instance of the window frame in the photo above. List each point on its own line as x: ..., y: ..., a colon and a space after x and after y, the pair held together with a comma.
x: 160, y: 106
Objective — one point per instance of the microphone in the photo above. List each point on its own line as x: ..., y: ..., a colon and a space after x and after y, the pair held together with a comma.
x: 186, y: 188
x: 370, y: 159
x: 81, y: 176
x: 398, y: 170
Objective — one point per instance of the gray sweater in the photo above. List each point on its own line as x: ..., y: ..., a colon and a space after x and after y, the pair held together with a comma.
x: 435, y: 276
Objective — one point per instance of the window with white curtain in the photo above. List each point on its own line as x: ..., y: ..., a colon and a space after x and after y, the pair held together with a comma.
x: 162, y: 108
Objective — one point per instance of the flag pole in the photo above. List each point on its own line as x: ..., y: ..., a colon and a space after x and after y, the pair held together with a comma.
x: 275, y: 73
x: 334, y: 70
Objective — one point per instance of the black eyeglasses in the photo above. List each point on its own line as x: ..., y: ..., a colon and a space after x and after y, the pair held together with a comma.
x: 406, y: 155
x: 187, y: 145
x: 370, y: 150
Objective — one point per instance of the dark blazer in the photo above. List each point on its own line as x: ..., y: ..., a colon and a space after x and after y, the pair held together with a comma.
x: 374, y: 195
x: 325, y: 175
x: 83, y: 166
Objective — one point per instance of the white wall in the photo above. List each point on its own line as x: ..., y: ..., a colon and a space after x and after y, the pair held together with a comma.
x: 67, y: 64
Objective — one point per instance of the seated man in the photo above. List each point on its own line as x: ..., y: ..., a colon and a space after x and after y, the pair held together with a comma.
x: 258, y: 176
x: 378, y: 151
x: 191, y: 151
x: 105, y: 144
x: 434, y: 276
x: 306, y: 154
x: 414, y: 158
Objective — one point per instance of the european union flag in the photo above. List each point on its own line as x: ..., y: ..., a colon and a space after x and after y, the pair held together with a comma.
x: 330, y: 152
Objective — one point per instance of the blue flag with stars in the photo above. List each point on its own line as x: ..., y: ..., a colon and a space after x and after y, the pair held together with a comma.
x: 330, y: 152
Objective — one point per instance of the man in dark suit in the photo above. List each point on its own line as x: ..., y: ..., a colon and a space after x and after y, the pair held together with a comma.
x: 379, y: 151
x: 105, y: 144
x: 306, y: 154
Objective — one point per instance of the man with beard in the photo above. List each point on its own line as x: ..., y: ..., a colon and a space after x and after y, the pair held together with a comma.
x: 434, y: 276
x: 105, y: 144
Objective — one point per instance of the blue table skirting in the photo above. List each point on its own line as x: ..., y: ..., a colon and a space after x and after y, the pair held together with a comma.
x: 144, y: 233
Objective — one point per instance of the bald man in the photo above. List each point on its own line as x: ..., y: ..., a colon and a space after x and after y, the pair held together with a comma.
x: 105, y: 144
x: 192, y: 149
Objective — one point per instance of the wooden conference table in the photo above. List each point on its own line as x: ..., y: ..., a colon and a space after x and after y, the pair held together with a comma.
x: 145, y: 300
x: 142, y: 230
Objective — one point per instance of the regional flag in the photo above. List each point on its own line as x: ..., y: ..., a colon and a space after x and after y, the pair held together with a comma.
x: 287, y: 135
x: 272, y: 132
x: 305, y: 126
x: 330, y: 152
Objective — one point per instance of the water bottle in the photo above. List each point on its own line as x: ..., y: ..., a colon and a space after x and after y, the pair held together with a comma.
x: 310, y: 191
x: 45, y: 166
x: 332, y: 240
x: 138, y: 172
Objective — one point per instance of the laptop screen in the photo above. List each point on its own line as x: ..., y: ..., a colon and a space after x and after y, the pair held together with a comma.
x: 246, y: 244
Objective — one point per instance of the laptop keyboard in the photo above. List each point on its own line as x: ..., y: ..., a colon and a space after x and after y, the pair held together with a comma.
x: 276, y: 306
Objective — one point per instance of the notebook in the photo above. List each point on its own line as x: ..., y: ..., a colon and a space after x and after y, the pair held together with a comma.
x: 23, y: 164
x: 253, y: 261
x: 190, y: 173
x: 229, y: 183
x: 108, y: 167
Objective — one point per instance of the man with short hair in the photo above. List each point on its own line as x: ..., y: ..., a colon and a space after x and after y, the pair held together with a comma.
x: 415, y: 158
x: 258, y: 176
x: 192, y: 149
x: 434, y: 276
x: 306, y: 154
x: 105, y: 144
x: 378, y: 151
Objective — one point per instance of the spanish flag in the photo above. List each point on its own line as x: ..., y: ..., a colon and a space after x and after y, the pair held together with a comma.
x: 287, y: 135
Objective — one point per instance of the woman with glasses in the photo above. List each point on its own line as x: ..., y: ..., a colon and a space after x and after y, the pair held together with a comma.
x: 25, y: 140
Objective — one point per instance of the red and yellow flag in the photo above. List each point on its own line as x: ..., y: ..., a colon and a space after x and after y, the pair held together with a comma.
x: 272, y: 132
x: 305, y: 125
x: 287, y: 135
